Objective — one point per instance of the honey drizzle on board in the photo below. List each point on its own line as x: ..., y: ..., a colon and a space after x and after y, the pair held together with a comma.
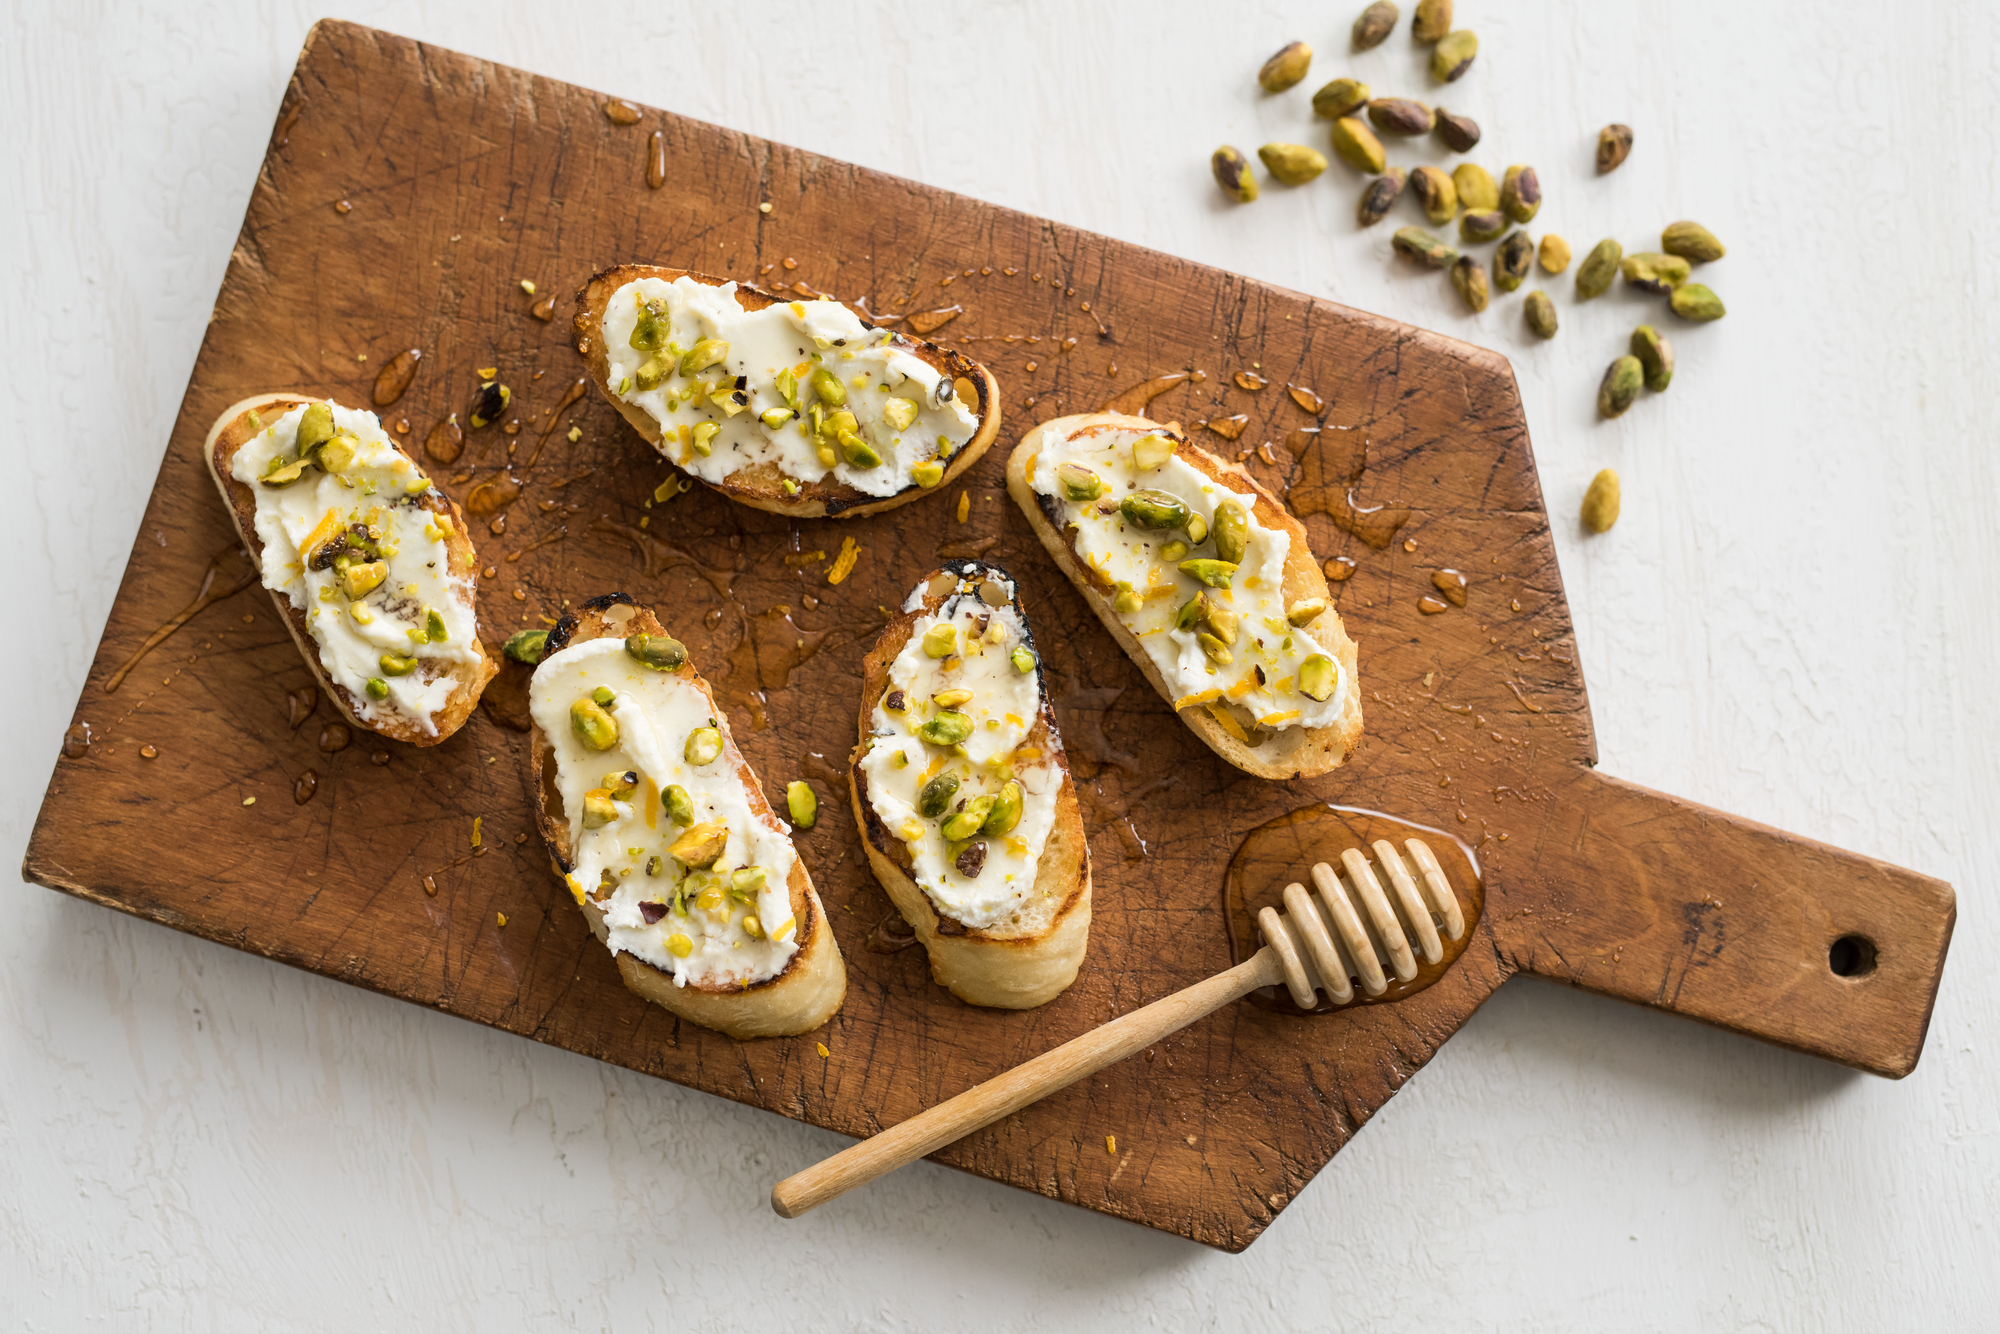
x: 1134, y: 401
x: 1282, y: 852
x: 393, y: 380
x: 206, y: 596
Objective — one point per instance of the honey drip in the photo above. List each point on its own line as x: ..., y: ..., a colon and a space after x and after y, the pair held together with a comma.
x: 656, y: 159
x: 926, y: 322
x: 556, y: 534
x: 493, y: 495
x: 544, y: 310
x: 890, y: 935
x: 446, y: 441
x: 1306, y: 398
x: 334, y: 738
x: 772, y: 648
x: 1283, y: 851
x: 1249, y: 380
x: 1229, y: 428
x: 229, y: 573
x: 76, y: 741
x: 1430, y: 606
x: 1339, y: 570
x: 578, y: 387
x: 305, y: 786
x: 1134, y: 401
x: 620, y: 113
x: 1450, y: 583
x: 299, y: 706
x: 394, y: 378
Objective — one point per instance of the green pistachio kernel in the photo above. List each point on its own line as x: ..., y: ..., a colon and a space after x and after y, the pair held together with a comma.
x: 527, y: 646
x: 928, y: 473
x: 935, y: 799
x: 962, y: 825
x: 1316, y: 677
x: 704, y: 744
x: 1174, y: 551
x: 702, y: 438
x: 592, y: 725
x: 899, y: 413
x: 1079, y: 484
x: 663, y: 653
x: 1152, y: 451
x: 1192, y: 613
x: 605, y: 696
x: 1023, y: 660
x: 1232, y: 531
x: 1153, y: 510
x: 377, y: 688
x: 1214, y: 573
x: 397, y: 664
x: 678, y: 805
x: 941, y: 640
x: 1006, y: 812
x: 827, y: 387
x: 748, y: 879
x: 434, y: 629
x: 775, y: 417
x: 803, y: 803
x: 599, y: 809
x: 650, y: 331
x: 652, y: 372
x: 1126, y: 598
x: 948, y: 728
x: 705, y: 353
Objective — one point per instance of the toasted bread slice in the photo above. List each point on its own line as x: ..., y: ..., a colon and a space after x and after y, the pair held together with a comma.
x: 734, y: 975
x: 762, y: 482
x: 1222, y: 686
x: 991, y: 940
x: 424, y: 705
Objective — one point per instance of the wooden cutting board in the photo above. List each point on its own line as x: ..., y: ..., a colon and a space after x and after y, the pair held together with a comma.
x: 407, y: 194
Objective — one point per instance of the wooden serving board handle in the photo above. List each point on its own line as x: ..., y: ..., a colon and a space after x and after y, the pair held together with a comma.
x: 1651, y: 899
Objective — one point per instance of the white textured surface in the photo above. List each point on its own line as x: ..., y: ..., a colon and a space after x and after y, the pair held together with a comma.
x: 1794, y: 621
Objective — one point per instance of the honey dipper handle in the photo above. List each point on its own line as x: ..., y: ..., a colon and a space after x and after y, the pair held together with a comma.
x: 1659, y: 901
x: 983, y: 1104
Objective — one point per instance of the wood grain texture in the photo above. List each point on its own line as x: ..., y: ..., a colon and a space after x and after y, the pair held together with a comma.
x: 466, y: 177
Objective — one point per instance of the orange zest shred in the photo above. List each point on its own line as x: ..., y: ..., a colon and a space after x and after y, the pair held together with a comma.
x: 964, y: 506
x: 843, y: 564
x: 1229, y: 723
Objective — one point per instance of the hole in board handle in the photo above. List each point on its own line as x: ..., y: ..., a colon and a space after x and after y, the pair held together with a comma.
x: 1851, y: 957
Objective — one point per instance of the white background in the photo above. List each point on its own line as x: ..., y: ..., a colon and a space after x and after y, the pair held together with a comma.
x: 1794, y: 621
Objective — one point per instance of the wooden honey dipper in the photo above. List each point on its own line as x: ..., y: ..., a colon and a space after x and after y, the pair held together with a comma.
x: 1324, y: 943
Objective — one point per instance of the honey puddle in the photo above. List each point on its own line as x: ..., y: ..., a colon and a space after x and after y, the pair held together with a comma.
x: 656, y: 160
x: 1134, y: 401
x: 1283, y: 851
x: 229, y: 573
x: 394, y: 378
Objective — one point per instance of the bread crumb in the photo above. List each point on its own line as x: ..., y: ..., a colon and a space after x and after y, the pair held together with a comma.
x: 964, y: 505
x: 1111, y: 1145
x: 502, y: 916
x: 249, y: 801
x: 823, y: 1052
x: 763, y: 208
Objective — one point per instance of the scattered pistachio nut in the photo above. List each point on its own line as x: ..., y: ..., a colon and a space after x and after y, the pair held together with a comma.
x: 928, y: 473
x: 1079, y: 483
x: 1521, y: 194
x: 1214, y: 573
x: 315, y: 427
x: 1481, y: 225
x: 1599, y: 268
x: 1232, y: 173
x: 1126, y: 598
x: 1614, y: 145
x: 1432, y: 21
x: 1196, y: 528
x: 1379, y: 196
x: 1154, y: 510
x: 377, y: 688
x: 1305, y: 611
x: 605, y: 696
x: 704, y: 745
x: 947, y: 728
x: 1435, y: 194
x: 1475, y: 185
x: 678, y: 805
x: 1292, y: 164
x: 1342, y: 97
x: 1006, y: 811
x: 1212, y: 645
x: 397, y: 664
x: 527, y: 646
x: 1356, y: 145
x: 1418, y: 244
x: 1656, y: 357
x: 592, y: 725
x: 1401, y: 115
x: 1692, y: 301
x: 1286, y: 68
x: 1375, y: 24
x: 1316, y: 677
x: 1692, y: 242
x: 1458, y: 133
x: 705, y: 353
x: 360, y: 578
x: 663, y: 653
x: 1541, y: 313
x: 700, y: 846
x: 1023, y: 659
x: 935, y: 798
x: 598, y: 809
x: 1150, y: 452
x: 968, y: 819
x: 1619, y: 387
x: 941, y: 640
x: 1600, y: 502
x: 1192, y: 613
x: 1656, y: 273
x: 1453, y: 55
x: 1222, y: 623
x: 803, y: 803
x: 1513, y: 261
x: 1232, y: 531
x: 1468, y: 275
x: 1554, y: 254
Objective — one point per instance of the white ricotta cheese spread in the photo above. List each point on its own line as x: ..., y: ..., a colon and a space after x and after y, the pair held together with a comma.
x: 725, y: 922
x: 349, y: 542
x: 1221, y: 638
x: 954, y: 737
x: 802, y: 385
